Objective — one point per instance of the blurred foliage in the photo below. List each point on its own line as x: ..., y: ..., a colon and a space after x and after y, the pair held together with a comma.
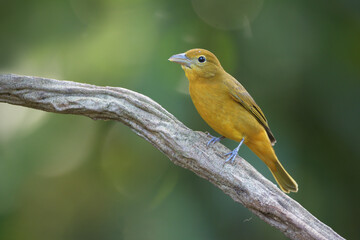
x: 69, y: 177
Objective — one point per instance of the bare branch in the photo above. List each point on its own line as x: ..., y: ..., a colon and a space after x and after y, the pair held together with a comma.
x: 183, y: 146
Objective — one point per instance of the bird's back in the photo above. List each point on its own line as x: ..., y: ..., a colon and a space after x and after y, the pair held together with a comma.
x: 241, y: 96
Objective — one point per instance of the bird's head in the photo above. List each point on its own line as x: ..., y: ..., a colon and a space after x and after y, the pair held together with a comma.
x: 198, y: 63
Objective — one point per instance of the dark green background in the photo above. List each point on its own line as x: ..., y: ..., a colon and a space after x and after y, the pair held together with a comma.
x: 69, y: 177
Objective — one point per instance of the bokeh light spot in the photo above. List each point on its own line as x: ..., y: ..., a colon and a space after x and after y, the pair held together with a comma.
x: 227, y: 14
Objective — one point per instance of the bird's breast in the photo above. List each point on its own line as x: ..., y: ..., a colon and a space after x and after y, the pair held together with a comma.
x: 216, y: 106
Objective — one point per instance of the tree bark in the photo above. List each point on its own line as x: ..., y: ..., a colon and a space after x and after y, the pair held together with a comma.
x: 180, y: 144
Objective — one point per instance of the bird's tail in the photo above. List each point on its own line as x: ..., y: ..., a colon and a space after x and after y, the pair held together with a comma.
x: 285, y: 181
x: 265, y: 152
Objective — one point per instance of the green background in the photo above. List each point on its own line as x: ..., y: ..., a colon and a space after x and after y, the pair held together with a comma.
x: 69, y: 177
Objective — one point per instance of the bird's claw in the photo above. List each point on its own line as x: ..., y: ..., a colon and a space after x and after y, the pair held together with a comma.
x: 232, y: 156
x: 234, y: 152
x: 214, y: 140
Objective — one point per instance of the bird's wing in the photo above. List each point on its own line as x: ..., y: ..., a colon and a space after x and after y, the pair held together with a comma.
x: 240, y: 95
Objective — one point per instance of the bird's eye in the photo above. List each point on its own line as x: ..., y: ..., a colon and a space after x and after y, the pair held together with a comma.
x: 201, y: 59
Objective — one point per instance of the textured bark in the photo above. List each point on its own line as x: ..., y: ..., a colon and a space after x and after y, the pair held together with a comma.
x: 180, y: 144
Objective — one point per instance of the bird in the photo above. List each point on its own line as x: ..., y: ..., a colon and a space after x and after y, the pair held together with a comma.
x: 228, y: 108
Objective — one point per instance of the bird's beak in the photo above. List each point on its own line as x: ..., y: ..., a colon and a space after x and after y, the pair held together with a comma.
x: 181, y: 59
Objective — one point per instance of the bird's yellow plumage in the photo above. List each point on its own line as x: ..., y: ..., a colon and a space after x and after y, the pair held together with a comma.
x: 230, y: 110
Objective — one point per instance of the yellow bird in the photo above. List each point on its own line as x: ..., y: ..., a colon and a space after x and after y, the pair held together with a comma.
x: 229, y: 109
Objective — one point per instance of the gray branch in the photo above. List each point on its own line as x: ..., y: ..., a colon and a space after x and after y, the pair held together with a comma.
x: 180, y: 144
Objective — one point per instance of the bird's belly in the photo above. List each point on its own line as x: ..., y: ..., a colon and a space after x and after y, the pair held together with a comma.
x: 226, y: 116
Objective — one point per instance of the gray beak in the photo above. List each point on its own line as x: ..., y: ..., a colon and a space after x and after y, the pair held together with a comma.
x: 181, y: 59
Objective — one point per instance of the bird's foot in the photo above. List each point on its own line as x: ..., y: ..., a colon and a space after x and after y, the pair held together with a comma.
x: 233, y: 153
x: 232, y: 156
x: 214, y: 140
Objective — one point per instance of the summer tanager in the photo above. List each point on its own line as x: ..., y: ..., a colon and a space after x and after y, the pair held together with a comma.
x: 230, y: 110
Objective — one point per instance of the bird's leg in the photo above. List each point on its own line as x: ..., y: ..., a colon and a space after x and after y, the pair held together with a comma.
x: 213, y: 139
x: 234, y: 152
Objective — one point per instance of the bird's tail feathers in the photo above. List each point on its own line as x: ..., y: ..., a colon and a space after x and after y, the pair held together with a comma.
x: 285, y: 181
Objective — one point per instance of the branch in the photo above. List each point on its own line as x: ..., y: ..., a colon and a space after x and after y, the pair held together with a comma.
x: 180, y: 144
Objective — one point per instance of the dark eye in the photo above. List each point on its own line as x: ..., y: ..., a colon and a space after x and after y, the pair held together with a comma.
x: 201, y: 59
